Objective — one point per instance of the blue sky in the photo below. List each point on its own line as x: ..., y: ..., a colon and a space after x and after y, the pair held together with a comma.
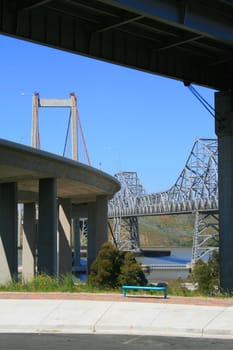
x: 132, y: 121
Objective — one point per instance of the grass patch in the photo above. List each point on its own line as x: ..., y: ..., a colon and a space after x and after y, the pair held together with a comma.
x: 46, y: 283
x: 69, y: 284
x: 41, y: 283
x: 177, y: 287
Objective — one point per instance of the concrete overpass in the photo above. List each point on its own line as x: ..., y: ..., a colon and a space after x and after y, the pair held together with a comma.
x: 186, y: 40
x: 191, y: 41
x: 62, y: 189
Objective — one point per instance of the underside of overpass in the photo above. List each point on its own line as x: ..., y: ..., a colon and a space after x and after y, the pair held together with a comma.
x: 186, y: 40
x: 191, y: 41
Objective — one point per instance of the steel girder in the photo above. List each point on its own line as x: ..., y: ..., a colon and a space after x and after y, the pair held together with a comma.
x: 187, y: 40
x: 200, y: 17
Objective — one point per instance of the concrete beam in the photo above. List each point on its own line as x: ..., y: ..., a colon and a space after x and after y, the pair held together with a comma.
x: 55, y: 102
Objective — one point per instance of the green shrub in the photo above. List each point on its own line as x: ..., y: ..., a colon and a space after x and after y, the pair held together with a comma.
x: 130, y: 271
x: 105, y: 269
x: 214, y: 264
x: 112, y: 268
x: 206, y: 274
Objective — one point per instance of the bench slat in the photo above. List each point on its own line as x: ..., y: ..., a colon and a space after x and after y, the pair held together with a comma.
x: 164, y: 289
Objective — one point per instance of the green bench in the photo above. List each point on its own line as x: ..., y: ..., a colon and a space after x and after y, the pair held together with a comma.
x: 125, y: 288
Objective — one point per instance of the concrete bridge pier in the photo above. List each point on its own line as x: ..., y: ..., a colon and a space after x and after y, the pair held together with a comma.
x: 54, y: 232
x: 8, y: 232
x: 97, y: 228
x: 64, y: 253
x: 29, y: 241
x: 224, y: 131
x: 77, y: 245
x: 62, y: 250
x: 47, y: 227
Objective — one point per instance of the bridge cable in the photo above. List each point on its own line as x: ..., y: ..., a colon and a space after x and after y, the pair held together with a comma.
x: 67, y: 134
x: 83, y: 138
x: 204, y: 103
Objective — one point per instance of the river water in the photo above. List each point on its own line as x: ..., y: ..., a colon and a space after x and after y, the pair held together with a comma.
x: 178, y: 256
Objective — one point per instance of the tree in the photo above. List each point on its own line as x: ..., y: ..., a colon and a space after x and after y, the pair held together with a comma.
x: 112, y: 268
x: 206, y: 274
x: 214, y: 263
x: 131, y: 272
x: 105, y: 269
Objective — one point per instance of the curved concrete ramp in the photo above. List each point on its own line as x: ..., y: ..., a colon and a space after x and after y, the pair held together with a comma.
x: 76, y: 181
x: 63, y: 190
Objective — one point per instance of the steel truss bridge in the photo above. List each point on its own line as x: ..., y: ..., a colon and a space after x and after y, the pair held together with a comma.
x: 195, y: 192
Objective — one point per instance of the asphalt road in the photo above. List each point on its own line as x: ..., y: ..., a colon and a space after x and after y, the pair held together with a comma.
x: 107, y: 342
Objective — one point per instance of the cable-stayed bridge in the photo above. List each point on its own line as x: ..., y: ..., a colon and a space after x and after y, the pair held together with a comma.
x: 195, y: 191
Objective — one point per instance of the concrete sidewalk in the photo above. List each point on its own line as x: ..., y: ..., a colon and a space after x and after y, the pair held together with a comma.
x: 113, y: 314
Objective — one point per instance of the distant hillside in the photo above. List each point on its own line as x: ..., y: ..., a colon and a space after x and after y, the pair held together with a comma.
x: 166, y: 231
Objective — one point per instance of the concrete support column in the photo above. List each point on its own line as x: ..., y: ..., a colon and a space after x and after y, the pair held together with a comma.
x: 29, y: 241
x: 224, y: 131
x: 79, y: 211
x: 91, y: 237
x: 77, y: 244
x: 8, y: 232
x: 97, y: 227
x: 64, y: 237
x: 47, y: 227
x: 101, y: 221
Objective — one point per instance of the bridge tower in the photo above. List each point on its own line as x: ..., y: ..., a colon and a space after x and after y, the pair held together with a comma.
x: 126, y: 233
x: 126, y: 229
x: 206, y: 234
x: 80, y: 224
x: 71, y: 103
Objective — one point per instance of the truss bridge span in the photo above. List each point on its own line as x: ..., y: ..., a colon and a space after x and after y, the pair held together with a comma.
x: 195, y: 191
x: 160, y: 204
